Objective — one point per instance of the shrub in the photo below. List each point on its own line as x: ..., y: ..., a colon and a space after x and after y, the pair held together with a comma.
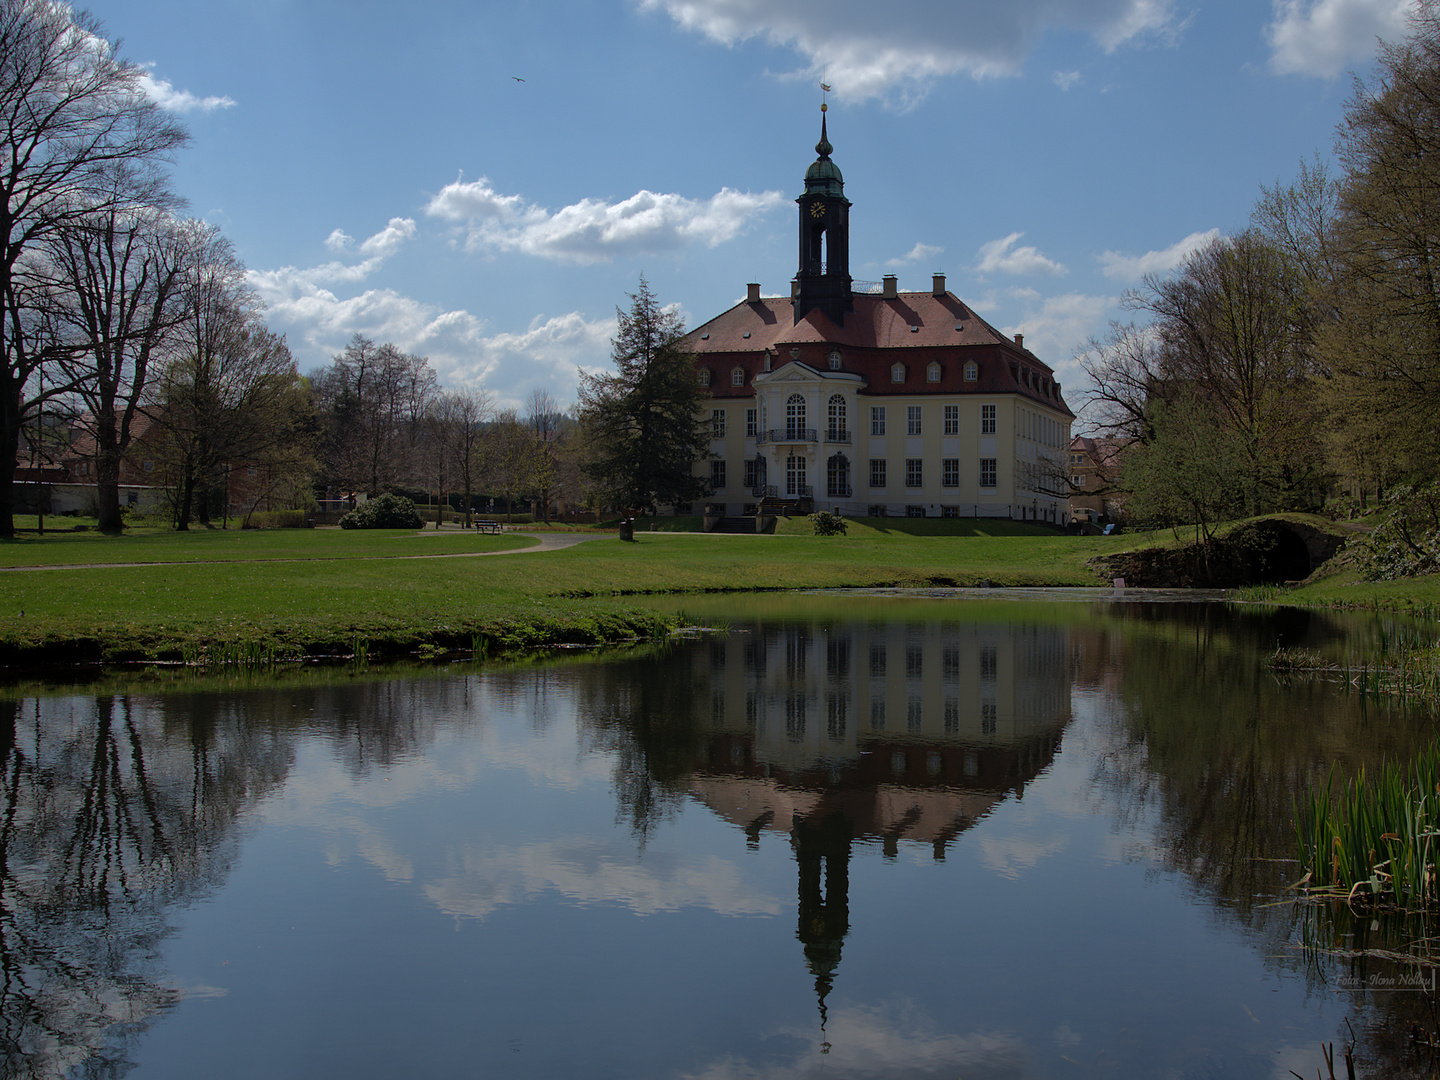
x: 384, y: 512
x: 1407, y: 541
x: 828, y: 524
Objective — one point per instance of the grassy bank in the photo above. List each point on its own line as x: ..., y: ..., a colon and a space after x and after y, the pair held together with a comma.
x: 322, y: 591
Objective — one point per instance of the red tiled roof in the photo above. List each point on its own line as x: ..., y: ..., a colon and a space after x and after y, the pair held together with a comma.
x: 913, y: 328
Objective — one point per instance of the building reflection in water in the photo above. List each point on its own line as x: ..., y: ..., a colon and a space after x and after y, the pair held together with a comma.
x: 870, y: 734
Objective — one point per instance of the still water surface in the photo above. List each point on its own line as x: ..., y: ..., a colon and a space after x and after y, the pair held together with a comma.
x: 838, y: 837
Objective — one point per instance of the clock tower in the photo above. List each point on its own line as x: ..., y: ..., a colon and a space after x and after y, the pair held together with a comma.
x: 822, y: 282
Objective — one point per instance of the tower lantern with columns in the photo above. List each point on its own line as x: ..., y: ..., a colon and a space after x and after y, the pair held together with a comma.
x: 823, y: 278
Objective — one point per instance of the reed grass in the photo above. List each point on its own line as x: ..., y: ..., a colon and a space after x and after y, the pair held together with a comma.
x: 1376, y: 838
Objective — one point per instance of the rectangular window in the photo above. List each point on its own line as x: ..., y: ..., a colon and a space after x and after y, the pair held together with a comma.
x: 987, y: 472
x: 914, y: 713
x: 987, y: 419
x: 950, y: 511
x: 952, y: 419
x: 751, y: 423
x: 1078, y: 481
x: 950, y: 472
x: 913, y: 472
x: 750, y: 474
x: 988, y: 715
x: 877, y: 472
x: 915, y: 511
x: 717, y: 476
x: 912, y: 420
x: 877, y: 419
x: 717, y: 423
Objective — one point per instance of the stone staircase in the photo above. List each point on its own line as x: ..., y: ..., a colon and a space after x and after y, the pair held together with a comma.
x: 744, y: 525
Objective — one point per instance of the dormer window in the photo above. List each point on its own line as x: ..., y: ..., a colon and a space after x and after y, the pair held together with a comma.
x: 932, y: 373
x: 704, y: 376
x: 737, y: 377
x: 834, y: 359
x: 897, y: 373
x: 972, y: 371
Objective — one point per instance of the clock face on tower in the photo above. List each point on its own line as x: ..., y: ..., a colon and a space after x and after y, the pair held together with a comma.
x: 817, y: 209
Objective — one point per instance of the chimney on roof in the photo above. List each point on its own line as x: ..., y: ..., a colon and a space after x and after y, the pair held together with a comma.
x: 938, y: 284
x: 1020, y: 341
x: 888, y: 288
x: 752, y: 292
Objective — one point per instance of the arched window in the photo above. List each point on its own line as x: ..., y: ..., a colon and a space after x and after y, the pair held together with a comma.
x: 972, y: 371
x: 834, y: 359
x: 795, y: 417
x: 837, y: 477
x: 737, y: 377
x: 897, y: 373
x: 839, y: 423
x: 704, y: 376
x: 932, y: 373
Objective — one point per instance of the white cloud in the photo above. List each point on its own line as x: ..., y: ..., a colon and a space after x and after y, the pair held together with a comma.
x: 1056, y: 327
x: 389, y: 239
x: 593, y: 230
x: 164, y: 94
x: 319, y: 321
x: 1118, y: 266
x: 339, y: 240
x: 863, y: 56
x: 593, y: 871
x: 919, y: 253
x: 898, y: 1041
x: 1067, y: 80
x: 1323, y: 37
x: 1002, y: 256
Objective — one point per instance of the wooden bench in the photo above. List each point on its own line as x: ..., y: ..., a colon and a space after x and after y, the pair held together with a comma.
x: 489, y: 526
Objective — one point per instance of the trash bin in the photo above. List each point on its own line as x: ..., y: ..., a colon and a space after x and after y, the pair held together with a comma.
x: 627, y: 529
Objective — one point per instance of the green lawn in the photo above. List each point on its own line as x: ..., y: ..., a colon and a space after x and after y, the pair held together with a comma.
x: 236, y: 545
x: 323, y: 589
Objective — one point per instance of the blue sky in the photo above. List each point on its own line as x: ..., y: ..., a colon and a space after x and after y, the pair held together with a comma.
x: 380, y: 168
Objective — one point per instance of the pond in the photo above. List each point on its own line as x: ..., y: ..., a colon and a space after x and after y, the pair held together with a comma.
x: 846, y: 837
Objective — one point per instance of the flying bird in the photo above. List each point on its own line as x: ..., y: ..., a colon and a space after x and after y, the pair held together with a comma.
x: 517, y: 78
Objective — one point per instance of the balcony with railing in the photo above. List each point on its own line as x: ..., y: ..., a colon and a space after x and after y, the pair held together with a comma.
x: 838, y: 435
x: 787, y: 435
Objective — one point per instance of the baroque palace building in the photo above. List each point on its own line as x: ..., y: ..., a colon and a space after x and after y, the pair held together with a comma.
x: 869, y: 401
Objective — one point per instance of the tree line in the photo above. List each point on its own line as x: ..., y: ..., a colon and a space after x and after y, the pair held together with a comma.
x: 117, y: 312
x: 1299, y: 359
x: 122, y: 319
x: 385, y: 425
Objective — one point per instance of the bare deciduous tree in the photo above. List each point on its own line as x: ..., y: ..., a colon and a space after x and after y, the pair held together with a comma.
x: 71, y: 111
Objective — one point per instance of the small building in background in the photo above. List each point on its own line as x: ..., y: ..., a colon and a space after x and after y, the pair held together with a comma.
x: 1095, y: 464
